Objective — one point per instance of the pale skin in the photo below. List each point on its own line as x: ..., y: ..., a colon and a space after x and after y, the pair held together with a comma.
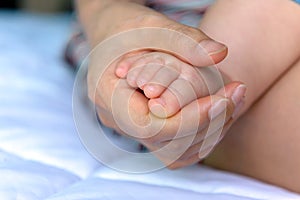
x: 133, y: 117
x: 267, y: 151
x: 168, y: 82
x: 264, y: 142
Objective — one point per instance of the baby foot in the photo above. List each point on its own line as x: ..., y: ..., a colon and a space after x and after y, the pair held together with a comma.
x: 167, y: 81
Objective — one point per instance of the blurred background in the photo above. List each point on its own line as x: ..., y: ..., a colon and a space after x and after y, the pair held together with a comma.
x: 39, y: 6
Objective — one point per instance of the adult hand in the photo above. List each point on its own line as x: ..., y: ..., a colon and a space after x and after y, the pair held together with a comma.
x: 186, y: 137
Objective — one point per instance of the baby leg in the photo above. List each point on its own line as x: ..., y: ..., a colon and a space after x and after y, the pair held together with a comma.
x: 264, y: 143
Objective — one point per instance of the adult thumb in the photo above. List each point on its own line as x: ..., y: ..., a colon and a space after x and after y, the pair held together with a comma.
x: 188, y: 43
x: 194, y: 46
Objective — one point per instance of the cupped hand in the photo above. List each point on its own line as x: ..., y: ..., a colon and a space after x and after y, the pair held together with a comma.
x: 186, y: 137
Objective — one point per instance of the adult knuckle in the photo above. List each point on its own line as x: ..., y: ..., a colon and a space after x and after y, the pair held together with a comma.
x: 189, y: 32
x: 140, y: 21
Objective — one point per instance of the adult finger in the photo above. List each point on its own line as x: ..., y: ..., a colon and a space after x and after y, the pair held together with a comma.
x: 212, y: 127
x: 213, y: 139
x: 194, y: 155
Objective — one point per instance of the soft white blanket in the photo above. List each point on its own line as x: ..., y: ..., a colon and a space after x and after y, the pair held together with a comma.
x: 41, y: 156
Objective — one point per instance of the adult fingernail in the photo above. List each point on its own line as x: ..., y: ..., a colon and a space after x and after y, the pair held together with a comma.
x: 217, y: 108
x: 237, y: 109
x: 212, y: 47
x: 239, y: 94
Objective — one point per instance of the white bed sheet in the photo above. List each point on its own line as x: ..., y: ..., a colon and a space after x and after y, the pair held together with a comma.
x: 41, y: 156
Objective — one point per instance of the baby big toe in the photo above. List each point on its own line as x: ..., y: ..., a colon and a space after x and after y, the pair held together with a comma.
x: 178, y: 94
x: 164, y: 108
